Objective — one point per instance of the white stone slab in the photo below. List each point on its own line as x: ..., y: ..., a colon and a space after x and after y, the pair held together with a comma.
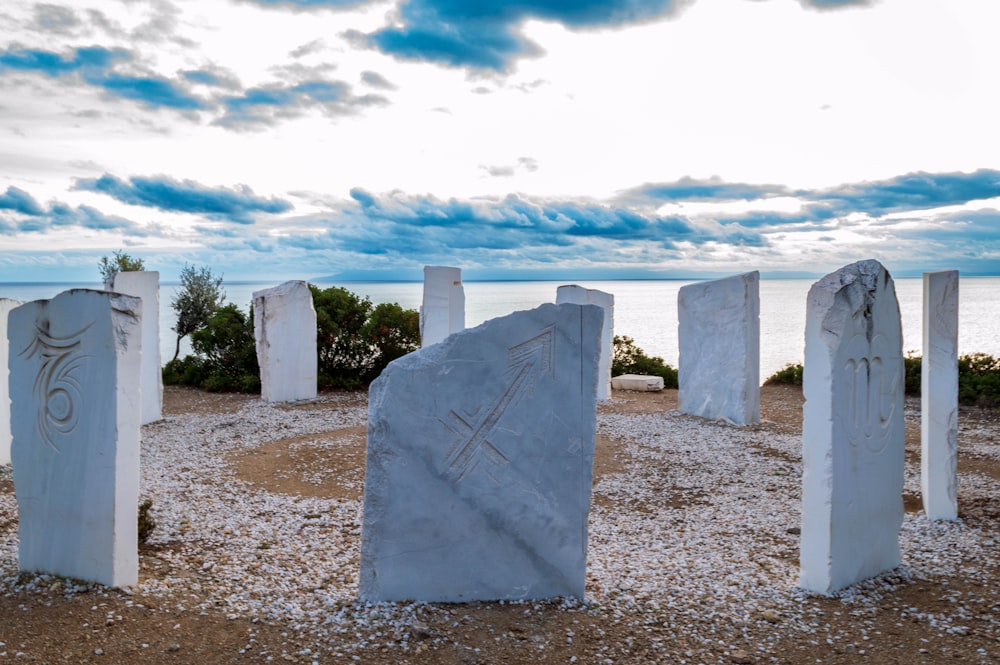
x: 852, y: 430
x: 285, y: 331
x: 479, y: 462
x: 74, y: 385
x: 145, y: 284
x: 939, y: 396
x: 6, y: 305
x: 578, y: 295
x: 718, y: 334
x: 443, y: 309
x: 638, y: 382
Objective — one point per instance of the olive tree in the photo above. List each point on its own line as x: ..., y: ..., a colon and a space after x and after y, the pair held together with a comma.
x: 119, y: 262
x: 199, y: 297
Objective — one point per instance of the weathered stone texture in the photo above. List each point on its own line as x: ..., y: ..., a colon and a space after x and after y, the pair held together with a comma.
x: 443, y: 310
x: 74, y: 383
x: 719, y: 339
x: 852, y: 431
x: 479, y: 462
x: 578, y: 295
x: 939, y: 396
x: 285, y: 332
x: 145, y: 284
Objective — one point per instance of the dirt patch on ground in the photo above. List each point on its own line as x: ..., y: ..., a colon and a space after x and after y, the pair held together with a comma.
x: 328, y: 464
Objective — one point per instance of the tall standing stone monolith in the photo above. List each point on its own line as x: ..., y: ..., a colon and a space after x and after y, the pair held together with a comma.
x: 852, y: 429
x: 6, y: 304
x: 578, y: 295
x: 145, y: 284
x: 939, y: 396
x: 479, y: 462
x: 74, y: 387
x: 718, y: 334
x: 285, y: 331
x: 442, y: 311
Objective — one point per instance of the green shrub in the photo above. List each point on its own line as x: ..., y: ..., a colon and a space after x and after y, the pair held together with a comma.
x: 979, y: 380
x: 344, y: 356
x: 911, y: 373
x: 227, y: 352
x: 630, y: 359
x: 790, y: 374
x: 392, y: 332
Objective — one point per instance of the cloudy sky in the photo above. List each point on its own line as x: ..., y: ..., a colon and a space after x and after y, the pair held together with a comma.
x: 536, y: 138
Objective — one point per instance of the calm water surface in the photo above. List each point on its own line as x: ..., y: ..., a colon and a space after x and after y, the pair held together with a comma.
x: 644, y: 310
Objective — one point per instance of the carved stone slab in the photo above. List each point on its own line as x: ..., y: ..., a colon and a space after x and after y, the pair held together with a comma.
x: 718, y: 335
x: 74, y: 388
x: 579, y: 295
x: 145, y: 284
x: 6, y: 304
x: 285, y: 331
x: 939, y: 396
x: 443, y: 309
x: 852, y: 430
x: 479, y: 462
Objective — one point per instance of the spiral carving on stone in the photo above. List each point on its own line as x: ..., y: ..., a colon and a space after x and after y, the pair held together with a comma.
x: 57, y: 389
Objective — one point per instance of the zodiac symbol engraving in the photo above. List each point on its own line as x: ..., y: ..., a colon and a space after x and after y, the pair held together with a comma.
x: 525, y: 361
x: 872, y: 392
x: 57, y: 387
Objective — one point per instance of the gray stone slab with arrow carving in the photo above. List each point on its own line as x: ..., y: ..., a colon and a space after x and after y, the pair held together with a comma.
x: 479, y: 462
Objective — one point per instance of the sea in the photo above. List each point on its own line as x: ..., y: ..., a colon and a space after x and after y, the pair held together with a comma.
x: 645, y: 310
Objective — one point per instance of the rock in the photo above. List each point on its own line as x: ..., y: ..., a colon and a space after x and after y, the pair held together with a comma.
x: 740, y: 657
x: 75, y: 405
x: 285, y: 332
x: 939, y: 397
x: 5, y: 306
x: 145, y: 285
x: 442, y: 311
x: 578, y: 295
x: 638, y: 382
x: 479, y: 462
x: 852, y: 430
x: 718, y: 332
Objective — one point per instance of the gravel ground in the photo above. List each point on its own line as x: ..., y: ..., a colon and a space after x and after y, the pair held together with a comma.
x: 692, y: 553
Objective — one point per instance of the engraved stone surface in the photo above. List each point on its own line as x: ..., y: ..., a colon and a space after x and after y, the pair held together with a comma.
x: 285, y: 330
x: 639, y: 382
x: 578, y: 295
x: 443, y: 309
x: 74, y: 387
x: 718, y: 333
x: 479, y: 462
x: 6, y: 305
x: 852, y: 429
x: 145, y: 284
x: 939, y: 396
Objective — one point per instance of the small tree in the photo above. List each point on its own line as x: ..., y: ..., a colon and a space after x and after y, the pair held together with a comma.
x: 119, y: 262
x: 200, y: 296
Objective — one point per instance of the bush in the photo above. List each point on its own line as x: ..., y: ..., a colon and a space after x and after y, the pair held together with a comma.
x: 979, y: 380
x: 227, y: 354
x: 393, y: 332
x: 630, y: 359
x: 790, y: 374
x: 355, y: 341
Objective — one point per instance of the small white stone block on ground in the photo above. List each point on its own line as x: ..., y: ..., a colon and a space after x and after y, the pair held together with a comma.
x: 638, y: 382
x: 479, y: 462
x: 718, y: 334
x: 145, y: 284
x: 6, y: 304
x: 939, y: 396
x: 75, y: 374
x: 284, y: 322
x: 852, y: 429
x: 442, y: 311
x: 578, y: 295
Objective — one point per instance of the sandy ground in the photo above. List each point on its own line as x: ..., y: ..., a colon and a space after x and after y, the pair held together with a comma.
x: 205, y: 596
